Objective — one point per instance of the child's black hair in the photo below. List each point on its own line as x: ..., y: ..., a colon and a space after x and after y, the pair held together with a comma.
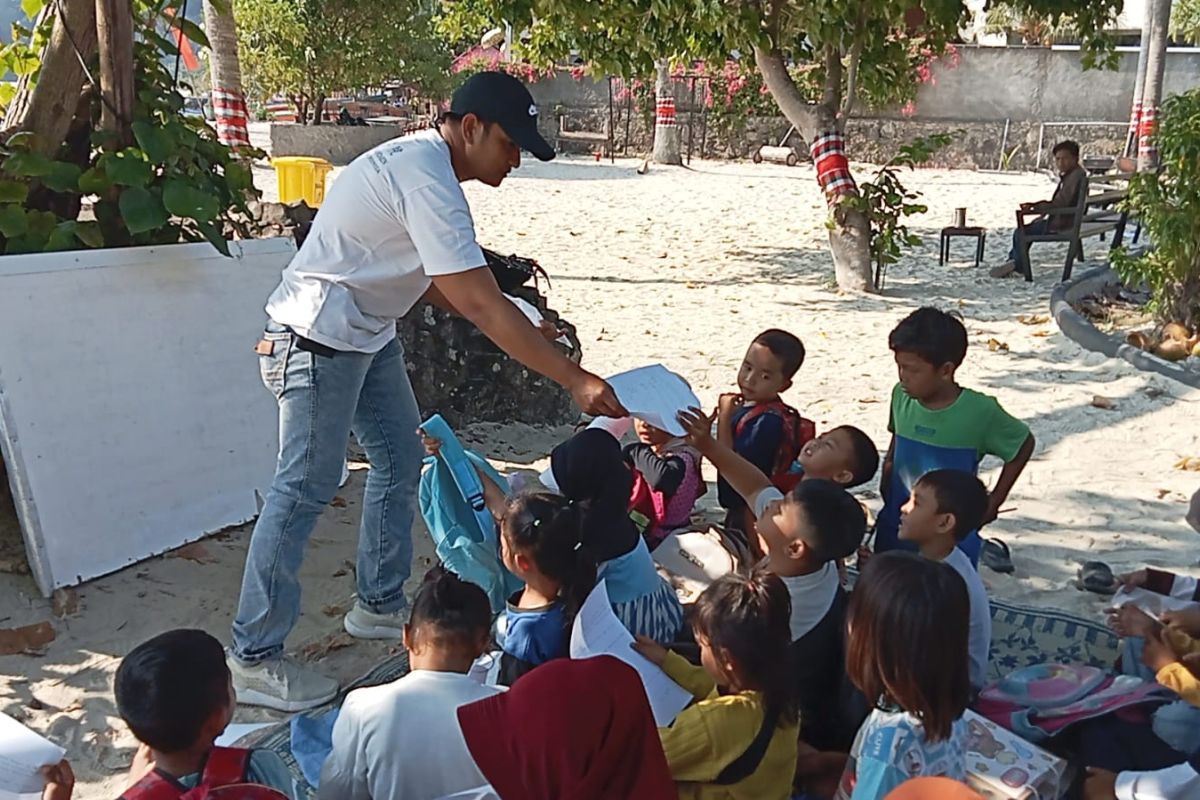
x: 908, y: 622
x: 1069, y: 145
x: 549, y: 529
x: 749, y: 616
x: 786, y: 347
x: 866, y: 456
x: 958, y: 493
x: 450, y: 609
x: 836, y: 521
x: 937, y: 336
x: 169, y: 686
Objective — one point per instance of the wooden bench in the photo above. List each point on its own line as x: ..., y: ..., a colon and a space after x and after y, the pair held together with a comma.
x: 1092, y: 215
x: 591, y: 138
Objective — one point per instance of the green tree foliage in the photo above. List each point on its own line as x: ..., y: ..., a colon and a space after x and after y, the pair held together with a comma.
x: 308, y: 50
x: 1185, y: 21
x: 175, y: 183
x: 1167, y: 203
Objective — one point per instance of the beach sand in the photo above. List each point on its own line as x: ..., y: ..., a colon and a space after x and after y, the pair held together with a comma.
x: 684, y: 267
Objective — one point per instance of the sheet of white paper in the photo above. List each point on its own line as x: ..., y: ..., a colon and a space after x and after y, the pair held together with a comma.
x: 655, y: 394
x: 617, y: 427
x: 1152, y: 603
x: 22, y: 755
x: 532, y: 314
x: 236, y: 730
x: 598, y: 632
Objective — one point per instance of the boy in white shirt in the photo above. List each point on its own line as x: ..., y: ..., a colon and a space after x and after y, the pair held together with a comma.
x: 402, y: 739
x: 944, y: 507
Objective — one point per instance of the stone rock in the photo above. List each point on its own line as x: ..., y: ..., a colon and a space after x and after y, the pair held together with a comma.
x: 459, y: 373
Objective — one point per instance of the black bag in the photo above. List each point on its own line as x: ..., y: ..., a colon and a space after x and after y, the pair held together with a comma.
x: 513, y: 271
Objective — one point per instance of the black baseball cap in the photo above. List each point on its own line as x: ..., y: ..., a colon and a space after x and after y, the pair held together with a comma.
x: 500, y: 98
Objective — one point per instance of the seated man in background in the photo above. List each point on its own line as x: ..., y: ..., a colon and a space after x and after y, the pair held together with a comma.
x: 1072, y: 180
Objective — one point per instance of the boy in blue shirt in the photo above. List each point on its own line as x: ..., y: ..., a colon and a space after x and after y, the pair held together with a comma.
x: 756, y: 424
x: 937, y: 424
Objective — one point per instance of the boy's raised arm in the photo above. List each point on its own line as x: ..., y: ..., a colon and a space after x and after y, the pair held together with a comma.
x: 745, y: 478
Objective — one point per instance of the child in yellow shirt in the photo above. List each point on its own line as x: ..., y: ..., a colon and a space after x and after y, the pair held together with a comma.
x: 738, y: 740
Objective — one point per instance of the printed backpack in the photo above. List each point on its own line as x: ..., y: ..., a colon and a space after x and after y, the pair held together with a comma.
x: 1041, y: 701
x: 223, y: 779
x: 797, y: 432
x: 463, y: 530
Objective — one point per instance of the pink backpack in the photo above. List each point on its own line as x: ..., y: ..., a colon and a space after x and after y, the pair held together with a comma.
x: 1040, y: 701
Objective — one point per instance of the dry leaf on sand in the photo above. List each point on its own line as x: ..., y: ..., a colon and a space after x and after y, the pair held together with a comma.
x: 64, y: 602
x: 1189, y: 464
x: 997, y: 346
x: 315, y: 651
x: 1033, y: 319
x: 1107, y: 403
x: 338, y: 502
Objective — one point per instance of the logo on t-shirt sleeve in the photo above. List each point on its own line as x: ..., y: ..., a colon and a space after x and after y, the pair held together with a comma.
x: 532, y: 110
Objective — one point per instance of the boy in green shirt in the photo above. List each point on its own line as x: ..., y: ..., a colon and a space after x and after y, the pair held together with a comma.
x: 937, y: 424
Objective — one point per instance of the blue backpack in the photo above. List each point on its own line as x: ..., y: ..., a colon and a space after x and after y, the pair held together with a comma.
x: 463, y: 530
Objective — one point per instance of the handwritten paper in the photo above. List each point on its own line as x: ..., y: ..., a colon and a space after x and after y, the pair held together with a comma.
x: 236, y: 730
x: 23, y: 753
x: 656, y: 395
x: 598, y: 632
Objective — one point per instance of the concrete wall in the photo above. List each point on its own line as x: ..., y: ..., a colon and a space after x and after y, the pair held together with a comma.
x: 338, y: 144
x: 1026, y: 86
x: 1040, y: 84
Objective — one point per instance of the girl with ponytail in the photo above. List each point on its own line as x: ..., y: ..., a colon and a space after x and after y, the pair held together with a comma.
x: 541, y: 543
x: 738, y: 740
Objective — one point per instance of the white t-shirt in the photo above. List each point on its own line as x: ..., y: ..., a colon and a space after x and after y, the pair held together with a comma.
x: 980, y: 636
x: 402, y: 740
x: 813, y: 594
x: 393, y: 219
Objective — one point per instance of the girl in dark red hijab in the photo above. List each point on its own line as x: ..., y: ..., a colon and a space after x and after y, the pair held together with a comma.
x: 570, y: 729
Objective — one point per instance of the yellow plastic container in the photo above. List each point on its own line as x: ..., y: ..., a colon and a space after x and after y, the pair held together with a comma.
x: 301, y: 178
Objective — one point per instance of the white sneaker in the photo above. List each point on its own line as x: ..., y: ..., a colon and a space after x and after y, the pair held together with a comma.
x: 363, y: 624
x: 280, y: 683
x: 1003, y: 270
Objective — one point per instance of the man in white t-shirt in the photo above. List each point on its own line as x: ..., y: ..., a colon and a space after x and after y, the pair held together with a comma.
x: 944, y: 507
x: 394, y: 229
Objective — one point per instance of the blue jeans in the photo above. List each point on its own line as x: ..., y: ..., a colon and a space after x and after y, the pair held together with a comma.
x: 321, y: 400
x: 1037, y: 227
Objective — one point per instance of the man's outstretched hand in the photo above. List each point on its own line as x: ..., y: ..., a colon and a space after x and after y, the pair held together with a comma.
x: 594, y: 396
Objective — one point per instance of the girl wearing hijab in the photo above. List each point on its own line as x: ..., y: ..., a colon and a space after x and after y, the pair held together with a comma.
x: 590, y: 469
x: 569, y: 729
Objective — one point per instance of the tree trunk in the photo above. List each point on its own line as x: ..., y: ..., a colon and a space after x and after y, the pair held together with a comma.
x: 229, y: 102
x: 1139, y: 82
x: 1156, y: 62
x: 666, y: 132
x: 114, y: 35
x: 47, y: 106
x: 319, y: 110
x: 850, y: 234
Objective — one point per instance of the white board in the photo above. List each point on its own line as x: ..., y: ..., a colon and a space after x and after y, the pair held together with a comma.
x: 132, y: 416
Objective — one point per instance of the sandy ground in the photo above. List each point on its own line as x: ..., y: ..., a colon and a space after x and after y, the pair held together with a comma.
x: 684, y: 267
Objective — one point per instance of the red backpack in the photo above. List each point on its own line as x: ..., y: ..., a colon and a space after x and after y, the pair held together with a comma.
x: 797, y: 432
x: 223, y: 778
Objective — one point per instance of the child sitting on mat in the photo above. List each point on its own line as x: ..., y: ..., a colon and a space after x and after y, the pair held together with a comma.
x: 908, y: 625
x: 402, y: 739
x: 738, y: 739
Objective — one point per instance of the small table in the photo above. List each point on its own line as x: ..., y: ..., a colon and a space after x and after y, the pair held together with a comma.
x: 951, y: 231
